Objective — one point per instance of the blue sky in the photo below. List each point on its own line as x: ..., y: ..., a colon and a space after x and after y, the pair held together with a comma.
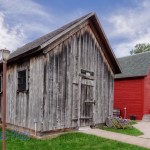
x: 125, y: 22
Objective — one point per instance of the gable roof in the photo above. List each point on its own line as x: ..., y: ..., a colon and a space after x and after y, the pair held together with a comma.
x: 47, y: 39
x: 38, y: 42
x: 136, y: 65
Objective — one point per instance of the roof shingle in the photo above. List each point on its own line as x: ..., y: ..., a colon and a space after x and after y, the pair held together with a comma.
x: 134, y: 65
x: 36, y: 43
x: 39, y: 44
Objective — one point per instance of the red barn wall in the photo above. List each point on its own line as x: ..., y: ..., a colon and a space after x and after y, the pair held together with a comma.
x: 147, y: 94
x: 129, y: 93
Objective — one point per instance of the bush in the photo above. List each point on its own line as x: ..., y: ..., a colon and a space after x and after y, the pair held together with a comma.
x: 133, y: 122
x: 118, y: 123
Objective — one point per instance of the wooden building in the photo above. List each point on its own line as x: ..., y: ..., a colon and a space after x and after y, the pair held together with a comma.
x: 132, y: 87
x: 63, y: 79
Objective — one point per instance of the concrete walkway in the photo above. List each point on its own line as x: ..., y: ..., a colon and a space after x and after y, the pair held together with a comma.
x: 139, y: 141
x: 144, y: 127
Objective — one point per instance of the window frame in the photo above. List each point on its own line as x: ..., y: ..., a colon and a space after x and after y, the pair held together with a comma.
x: 26, y: 82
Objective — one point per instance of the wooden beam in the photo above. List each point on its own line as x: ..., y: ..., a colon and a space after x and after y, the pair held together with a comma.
x: 66, y: 31
x: 65, y: 37
x: 86, y: 76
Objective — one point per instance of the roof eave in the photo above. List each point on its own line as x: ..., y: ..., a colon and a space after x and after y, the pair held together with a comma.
x: 31, y: 52
x: 92, y: 16
x: 130, y: 77
x: 64, y: 32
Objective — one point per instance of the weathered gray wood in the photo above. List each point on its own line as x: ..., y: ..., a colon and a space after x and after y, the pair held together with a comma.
x: 74, y: 105
x: 50, y: 85
x: 86, y: 76
x: 23, y: 107
x: 79, y: 49
x: 55, y: 98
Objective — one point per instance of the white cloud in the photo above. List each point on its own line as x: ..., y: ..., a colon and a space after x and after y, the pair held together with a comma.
x: 10, y: 38
x: 21, y: 21
x: 130, y: 27
x: 19, y: 7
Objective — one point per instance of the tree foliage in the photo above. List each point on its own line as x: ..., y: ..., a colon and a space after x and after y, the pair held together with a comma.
x: 140, y: 48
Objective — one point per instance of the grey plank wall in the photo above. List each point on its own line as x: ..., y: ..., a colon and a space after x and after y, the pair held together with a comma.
x: 64, y: 63
x: 54, y: 85
x: 24, y: 107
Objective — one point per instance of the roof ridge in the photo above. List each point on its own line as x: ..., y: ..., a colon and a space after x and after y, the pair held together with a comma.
x: 46, y: 37
x: 69, y: 22
x: 40, y: 43
x: 134, y: 54
x: 76, y: 22
x: 134, y: 65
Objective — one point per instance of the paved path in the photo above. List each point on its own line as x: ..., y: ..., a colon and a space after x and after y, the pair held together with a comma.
x: 139, y: 141
x: 144, y: 127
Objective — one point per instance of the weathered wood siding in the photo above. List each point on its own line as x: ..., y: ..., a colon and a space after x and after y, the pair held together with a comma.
x: 24, y: 107
x: 63, y: 83
x: 55, y: 88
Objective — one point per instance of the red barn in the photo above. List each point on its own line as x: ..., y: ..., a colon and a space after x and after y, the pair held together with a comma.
x: 132, y: 87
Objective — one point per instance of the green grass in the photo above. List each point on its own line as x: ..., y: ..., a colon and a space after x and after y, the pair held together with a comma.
x: 69, y: 141
x: 129, y: 131
x: 132, y: 122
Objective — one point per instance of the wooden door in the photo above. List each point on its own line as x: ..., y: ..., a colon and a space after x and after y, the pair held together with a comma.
x: 86, y: 105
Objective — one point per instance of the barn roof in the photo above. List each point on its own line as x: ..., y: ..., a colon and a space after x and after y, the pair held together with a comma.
x: 136, y: 65
x: 36, y: 43
x: 40, y: 43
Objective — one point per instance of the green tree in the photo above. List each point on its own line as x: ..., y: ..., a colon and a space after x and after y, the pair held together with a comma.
x: 140, y: 48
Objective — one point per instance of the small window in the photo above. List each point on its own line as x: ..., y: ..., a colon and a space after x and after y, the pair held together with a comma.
x: 22, y: 78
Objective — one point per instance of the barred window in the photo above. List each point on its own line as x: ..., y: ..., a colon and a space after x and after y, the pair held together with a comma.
x: 22, y: 80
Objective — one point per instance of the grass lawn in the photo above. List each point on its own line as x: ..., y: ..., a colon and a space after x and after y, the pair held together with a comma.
x: 129, y: 131
x: 69, y: 141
